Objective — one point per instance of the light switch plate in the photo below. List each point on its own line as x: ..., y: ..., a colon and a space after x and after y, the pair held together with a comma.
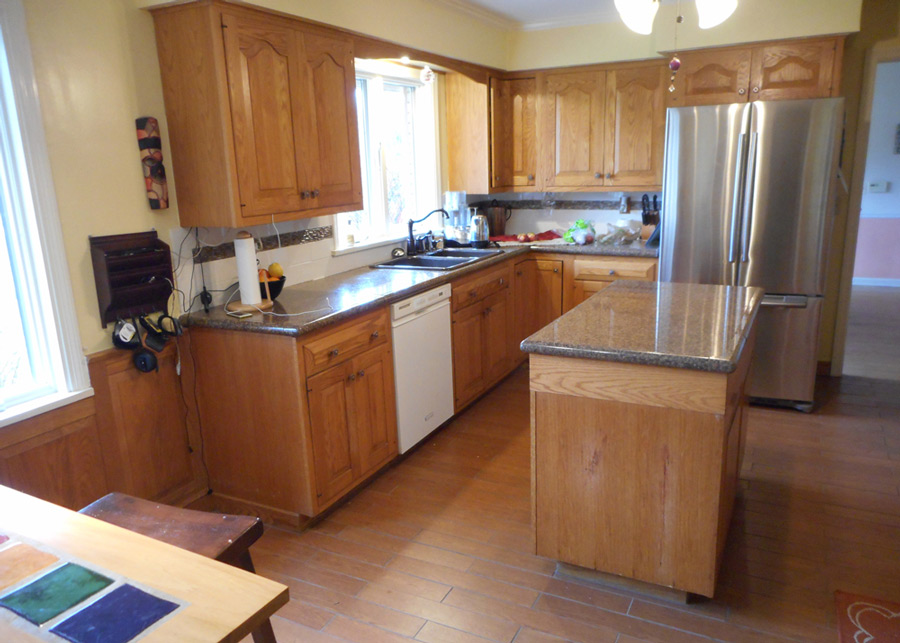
x: 878, y: 186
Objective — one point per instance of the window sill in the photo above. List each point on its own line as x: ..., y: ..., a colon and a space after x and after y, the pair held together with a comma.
x: 41, y: 405
x: 360, y: 247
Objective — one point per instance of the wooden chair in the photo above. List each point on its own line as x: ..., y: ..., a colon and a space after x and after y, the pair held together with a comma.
x: 224, y: 537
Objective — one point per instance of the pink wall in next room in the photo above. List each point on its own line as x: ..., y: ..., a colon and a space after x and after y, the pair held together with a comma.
x: 877, y: 251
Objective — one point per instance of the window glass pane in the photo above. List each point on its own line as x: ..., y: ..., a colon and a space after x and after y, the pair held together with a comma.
x: 399, y: 154
x: 15, y: 369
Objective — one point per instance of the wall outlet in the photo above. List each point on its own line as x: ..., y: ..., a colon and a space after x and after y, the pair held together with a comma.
x: 878, y: 187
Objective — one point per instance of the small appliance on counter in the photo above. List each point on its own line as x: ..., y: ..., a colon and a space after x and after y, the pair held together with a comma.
x: 479, y: 233
x: 497, y: 216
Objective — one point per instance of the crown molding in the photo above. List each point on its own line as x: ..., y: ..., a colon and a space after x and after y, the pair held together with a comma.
x: 480, y: 13
x: 594, y: 17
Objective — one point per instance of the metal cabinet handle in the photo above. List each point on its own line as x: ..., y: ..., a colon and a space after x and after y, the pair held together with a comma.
x: 742, y: 91
x: 472, y: 293
x: 609, y: 175
x: 556, y: 270
x: 519, y: 273
x: 315, y: 193
x: 756, y: 90
x: 487, y: 311
x: 597, y: 175
x: 304, y: 194
x: 333, y: 352
x: 351, y: 377
x: 531, y: 177
x: 360, y: 373
x: 612, y: 272
x: 374, y: 335
x: 501, y: 281
x: 496, y: 179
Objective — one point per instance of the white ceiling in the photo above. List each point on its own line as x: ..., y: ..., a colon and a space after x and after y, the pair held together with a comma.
x: 538, y: 14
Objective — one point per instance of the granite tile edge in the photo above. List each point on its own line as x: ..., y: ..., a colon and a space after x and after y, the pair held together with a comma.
x: 710, y: 365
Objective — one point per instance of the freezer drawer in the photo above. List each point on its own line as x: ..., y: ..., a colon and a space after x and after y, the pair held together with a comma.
x: 784, y: 360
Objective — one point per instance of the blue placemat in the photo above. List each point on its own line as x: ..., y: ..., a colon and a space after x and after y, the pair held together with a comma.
x: 115, y: 618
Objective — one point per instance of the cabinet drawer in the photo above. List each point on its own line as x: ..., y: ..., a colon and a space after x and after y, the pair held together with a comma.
x: 470, y: 291
x: 346, y: 340
x: 612, y: 268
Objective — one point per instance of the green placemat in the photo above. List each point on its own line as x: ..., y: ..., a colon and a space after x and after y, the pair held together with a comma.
x: 54, y: 593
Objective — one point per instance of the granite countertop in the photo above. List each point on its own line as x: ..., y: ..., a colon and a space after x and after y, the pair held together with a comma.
x: 691, y: 326
x: 637, y: 249
x: 310, y: 305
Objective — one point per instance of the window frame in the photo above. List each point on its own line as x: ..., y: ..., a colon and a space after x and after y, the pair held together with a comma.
x: 69, y: 365
x: 425, y: 136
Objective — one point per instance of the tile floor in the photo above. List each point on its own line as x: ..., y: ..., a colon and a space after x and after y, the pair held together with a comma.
x: 438, y: 547
x: 873, y: 333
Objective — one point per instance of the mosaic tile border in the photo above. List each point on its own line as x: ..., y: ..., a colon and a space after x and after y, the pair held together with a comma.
x: 226, y: 250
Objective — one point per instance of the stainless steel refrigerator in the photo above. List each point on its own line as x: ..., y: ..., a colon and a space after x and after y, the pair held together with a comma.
x: 747, y: 200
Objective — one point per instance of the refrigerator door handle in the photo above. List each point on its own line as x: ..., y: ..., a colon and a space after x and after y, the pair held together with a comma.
x: 748, y: 198
x: 737, y: 199
x: 784, y: 301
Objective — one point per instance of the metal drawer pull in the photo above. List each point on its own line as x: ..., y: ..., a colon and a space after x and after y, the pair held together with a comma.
x: 609, y: 175
x: 556, y: 270
x: 351, y: 377
x: 531, y: 177
x: 304, y: 194
x: 612, y: 272
x: 360, y: 373
x: 742, y: 91
x: 333, y: 352
x: 472, y: 293
x: 756, y: 90
x: 597, y: 175
x: 487, y: 310
x: 375, y: 335
x: 501, y: 281
x: 315, y: 193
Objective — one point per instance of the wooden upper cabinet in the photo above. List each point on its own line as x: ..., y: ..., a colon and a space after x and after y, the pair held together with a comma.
x: 572, y: 110
x: 791, y: 69
x: 711, y: 77
x: 263, y: 70
x: 261, y: 113
x: 330, y: 127
x: 802, y: 69
x: 513, y: 133
x: 635, y: 126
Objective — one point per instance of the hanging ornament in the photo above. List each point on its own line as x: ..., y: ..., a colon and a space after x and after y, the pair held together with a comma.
x: 427, y: 75
x: 675, y: 63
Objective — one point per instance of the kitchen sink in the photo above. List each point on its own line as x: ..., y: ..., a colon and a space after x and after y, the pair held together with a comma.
x: 445, y: 259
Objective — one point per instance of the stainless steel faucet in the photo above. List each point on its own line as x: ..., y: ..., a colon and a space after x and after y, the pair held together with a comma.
x: 411, y: 245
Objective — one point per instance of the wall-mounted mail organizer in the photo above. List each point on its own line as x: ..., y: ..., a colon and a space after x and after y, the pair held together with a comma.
x: 133, y: 274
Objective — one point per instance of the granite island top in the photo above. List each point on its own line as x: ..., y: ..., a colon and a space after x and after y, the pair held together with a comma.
x: 692, y: 326
x: 308, y: 306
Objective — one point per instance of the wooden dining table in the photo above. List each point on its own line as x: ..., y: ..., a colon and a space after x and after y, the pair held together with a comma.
x: 216, y: 602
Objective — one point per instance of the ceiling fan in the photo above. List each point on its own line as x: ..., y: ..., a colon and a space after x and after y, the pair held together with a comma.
x: 638, y: 15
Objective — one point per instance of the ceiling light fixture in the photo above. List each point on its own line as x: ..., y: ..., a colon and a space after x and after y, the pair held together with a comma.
x: 638, y: 15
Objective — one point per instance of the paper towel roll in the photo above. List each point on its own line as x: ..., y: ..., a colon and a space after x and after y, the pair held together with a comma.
x: 248, y: 277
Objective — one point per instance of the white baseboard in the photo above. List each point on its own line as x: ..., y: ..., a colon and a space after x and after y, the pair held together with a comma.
x: 876, y: 281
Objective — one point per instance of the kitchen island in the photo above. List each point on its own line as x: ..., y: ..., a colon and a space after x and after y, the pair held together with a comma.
x: 638, y: 402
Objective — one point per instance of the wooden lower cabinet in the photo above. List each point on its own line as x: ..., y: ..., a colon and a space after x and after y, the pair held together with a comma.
x: 537, y: 290
x: 591, y: 275
x: 482, y: 333
x: 287, y: 432
x: 353, y: 424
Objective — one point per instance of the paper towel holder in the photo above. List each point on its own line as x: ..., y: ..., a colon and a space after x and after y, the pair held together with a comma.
x: 239, y: 306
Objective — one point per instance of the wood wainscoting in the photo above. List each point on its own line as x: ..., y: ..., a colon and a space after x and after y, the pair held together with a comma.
x: 138, y: 435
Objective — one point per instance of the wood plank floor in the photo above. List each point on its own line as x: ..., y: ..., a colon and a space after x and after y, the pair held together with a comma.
x: 873, y: 333
x: 438, y: 547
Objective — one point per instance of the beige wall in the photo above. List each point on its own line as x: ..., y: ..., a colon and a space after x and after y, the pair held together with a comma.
x: 96, y: 71
x: 754, y: 20
x: 879, y: 29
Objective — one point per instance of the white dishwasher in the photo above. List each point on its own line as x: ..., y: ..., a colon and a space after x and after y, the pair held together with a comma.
x: 423, y: 364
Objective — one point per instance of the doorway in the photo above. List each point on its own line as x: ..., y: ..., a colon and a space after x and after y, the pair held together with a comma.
x: 873, y: 325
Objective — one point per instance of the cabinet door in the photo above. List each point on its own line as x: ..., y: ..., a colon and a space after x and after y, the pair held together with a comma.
x: 260, y: 59
x: 584, y: 289
x: 572, y: 107
x: 335, y: 449
x: 496, y: 329
x: 537, y: 295
x: 792, y: 70
x: 513, y: 135
x: 330, y: 139
x: 374, y: 408
x: 711, y: 77
x: 635, y: 126
x: 468, y: 346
